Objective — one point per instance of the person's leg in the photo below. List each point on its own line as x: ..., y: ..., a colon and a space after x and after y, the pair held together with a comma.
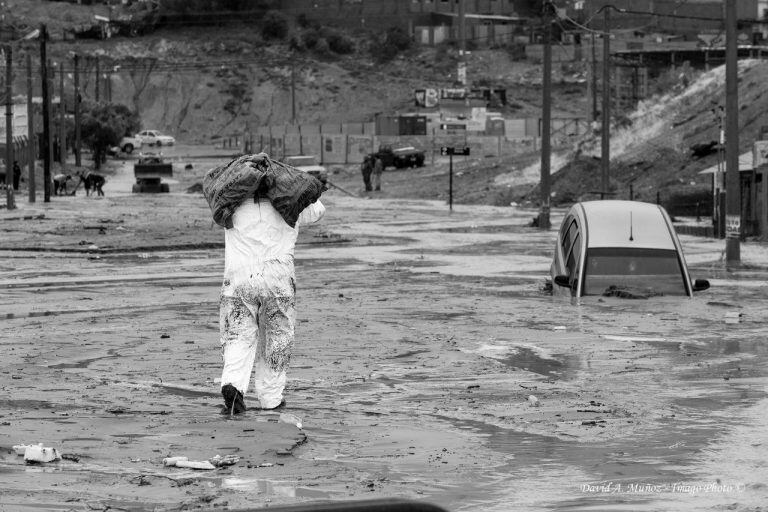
x: 238, y: 329
x: 278, y: 319
x: 377, y: 181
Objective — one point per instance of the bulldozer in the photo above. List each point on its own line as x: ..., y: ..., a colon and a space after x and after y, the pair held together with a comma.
x: 149, y: 171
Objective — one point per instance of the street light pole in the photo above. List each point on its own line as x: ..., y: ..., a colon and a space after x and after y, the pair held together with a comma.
x: 732, y: 177
x: 605, y: 145
x: 546, y: 121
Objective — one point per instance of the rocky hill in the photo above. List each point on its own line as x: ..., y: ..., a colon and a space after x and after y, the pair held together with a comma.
x: 203, y: 82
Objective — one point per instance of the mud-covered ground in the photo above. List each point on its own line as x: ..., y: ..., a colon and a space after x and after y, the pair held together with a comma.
x: 422, y: 336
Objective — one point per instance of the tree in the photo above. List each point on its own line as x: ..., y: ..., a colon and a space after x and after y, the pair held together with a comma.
x: 104, y: 124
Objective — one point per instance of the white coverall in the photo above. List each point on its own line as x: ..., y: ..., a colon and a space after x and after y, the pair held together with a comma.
x: 257, y: 311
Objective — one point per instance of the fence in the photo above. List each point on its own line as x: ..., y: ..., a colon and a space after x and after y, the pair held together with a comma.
x: 347, y: 144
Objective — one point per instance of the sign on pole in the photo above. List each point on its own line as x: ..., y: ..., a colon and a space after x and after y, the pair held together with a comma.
x: 450, y: 151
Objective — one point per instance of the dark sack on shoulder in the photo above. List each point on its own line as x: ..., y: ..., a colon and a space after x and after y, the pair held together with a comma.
x: 227, y: 186
x: 290, y: 190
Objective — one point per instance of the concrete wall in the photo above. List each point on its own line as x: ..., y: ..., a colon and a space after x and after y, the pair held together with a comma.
x: 331, y: 145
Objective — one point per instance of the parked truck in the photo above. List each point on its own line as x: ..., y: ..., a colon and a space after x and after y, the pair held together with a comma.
x: 400, y: 158
x: 149, y: 171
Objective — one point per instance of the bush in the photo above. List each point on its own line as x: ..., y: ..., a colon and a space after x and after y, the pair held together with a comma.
x: 310, y: 37
x: 341, y: 44
x: 395, y: 40
x: 275, y: 25
x: 321, y: 46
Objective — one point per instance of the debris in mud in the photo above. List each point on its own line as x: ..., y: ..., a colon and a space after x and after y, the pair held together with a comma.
x: 165, y: 336
x: 116, y: 410
x: 184, y: 462
x: 213, y: 463
x: 733, y: 317
x: 533, y: 401
x: 36, y: 453
x: 227, y: 460
x: 290, y: 418
x: 171, y: 461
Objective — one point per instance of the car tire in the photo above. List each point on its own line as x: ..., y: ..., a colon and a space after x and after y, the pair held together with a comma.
x: 128, y: 148
x: 165, y: 187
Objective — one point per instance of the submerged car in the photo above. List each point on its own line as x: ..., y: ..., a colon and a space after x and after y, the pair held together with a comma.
x: 620, y: 248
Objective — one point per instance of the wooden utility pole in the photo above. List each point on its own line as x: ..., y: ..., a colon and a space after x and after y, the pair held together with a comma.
x: 98, y: 77
x: 31, y: 156
x: 46, y: 116
x: 732, y: 176
x: 9, y: 168
x: 593, y: 78
x: 62, y: 126
x: 77, y: 109
x: 605, y: 157
x: 293, y: 91
x: 546, y: 121
x: 49, y: 79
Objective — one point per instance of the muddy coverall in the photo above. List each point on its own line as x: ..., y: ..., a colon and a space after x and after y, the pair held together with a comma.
x: 257, y: 306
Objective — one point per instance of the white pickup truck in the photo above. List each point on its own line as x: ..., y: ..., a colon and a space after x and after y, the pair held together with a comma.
x: 128, y: 144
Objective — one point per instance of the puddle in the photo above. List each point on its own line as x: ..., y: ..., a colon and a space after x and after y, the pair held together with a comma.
x: 84, y: 363
x: 498, y: 228
x: 187, y: 391
x: 528, y: 360
x: 273, y: 488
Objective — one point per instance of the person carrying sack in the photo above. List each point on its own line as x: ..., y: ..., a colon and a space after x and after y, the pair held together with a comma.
x: 262, y: 204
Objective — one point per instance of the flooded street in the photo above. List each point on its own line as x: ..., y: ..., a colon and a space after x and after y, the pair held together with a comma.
x: 431, y: 363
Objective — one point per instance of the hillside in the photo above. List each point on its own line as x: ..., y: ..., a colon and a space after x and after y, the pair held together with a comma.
x: 201, y: 83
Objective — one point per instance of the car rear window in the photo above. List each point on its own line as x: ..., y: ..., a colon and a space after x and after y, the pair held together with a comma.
x: 648, y: 271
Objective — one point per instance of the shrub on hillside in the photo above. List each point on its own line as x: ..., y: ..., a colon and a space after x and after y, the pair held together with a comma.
x: 309, y: 37
x: 394, y: 41
x: 275, y: 25
x: 339, y: 43
x: 332, y: 41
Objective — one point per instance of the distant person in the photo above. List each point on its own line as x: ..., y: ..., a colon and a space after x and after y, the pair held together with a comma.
x: 93, y: 183
x: 16, y: 175
x: 60, y: 184
x: 367, y: 170
x: 378, y: 168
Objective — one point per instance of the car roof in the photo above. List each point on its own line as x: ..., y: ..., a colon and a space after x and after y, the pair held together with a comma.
x: 615, y: 223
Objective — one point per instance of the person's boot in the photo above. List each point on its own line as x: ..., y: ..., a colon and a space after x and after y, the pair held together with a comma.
x: 233, y: 400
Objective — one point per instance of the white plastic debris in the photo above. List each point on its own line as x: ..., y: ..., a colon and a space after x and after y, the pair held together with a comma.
x: 533, y: 401
x: 21, y: 448
x: 732, y: 317
x: 290, y: 418
x: 40, y: 453
x: 227, y: 460
x: 194, y: 464
x: 558, y: 328
x: 171, y: 461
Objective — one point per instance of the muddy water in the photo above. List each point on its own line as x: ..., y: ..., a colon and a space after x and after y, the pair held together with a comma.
x: 419, y: 345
